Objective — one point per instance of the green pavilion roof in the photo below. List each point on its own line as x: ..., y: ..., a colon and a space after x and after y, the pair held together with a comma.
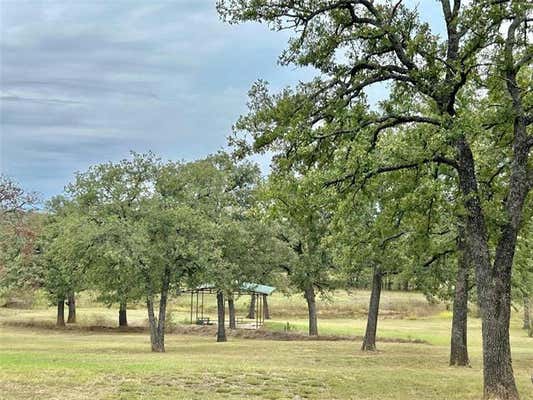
x: 257, y: 288
x: 244, y: 287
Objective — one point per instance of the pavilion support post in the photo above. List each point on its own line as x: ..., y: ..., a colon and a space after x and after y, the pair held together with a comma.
x: 260, y: 310
x: 196, y: 310
x: 256, y: 310
x: 202, y: 309
x: 192, y: 302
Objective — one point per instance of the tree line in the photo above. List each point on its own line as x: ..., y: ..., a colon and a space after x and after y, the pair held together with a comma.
x: 141, y: 230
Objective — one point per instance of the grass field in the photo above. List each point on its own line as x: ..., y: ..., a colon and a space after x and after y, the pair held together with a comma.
x: 38, y: 363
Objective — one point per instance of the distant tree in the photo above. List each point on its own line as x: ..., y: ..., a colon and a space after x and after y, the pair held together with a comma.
x: 111, y: 195
x: 114, y: 271
x: 372, y: 242
x: 19, y: 229
x: 65, y: 254
x: 251, y: 252
x: 19, y: 253
x: 13, y: 198
x: 223, y: 192
x: 148, y: 239
x: 176, y: 247
x: 302, y: 224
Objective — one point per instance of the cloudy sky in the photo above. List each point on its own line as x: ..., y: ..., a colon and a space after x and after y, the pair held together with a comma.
x: 83, y: 82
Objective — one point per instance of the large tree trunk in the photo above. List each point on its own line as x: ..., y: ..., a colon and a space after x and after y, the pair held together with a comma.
x: 231, y: 309
x: 123, y: 315
x: 221, y: 328
x: 493, y: 281
x: 458, y: 348
x: 266, y: 310
x: 369, y: 341
x: 499, y: 380
x: 251, y: 309
x: 309, y: 295
x: 60, y: 312
x: 71, y: 319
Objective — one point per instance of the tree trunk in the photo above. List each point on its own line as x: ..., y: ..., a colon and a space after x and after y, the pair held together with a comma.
x: 71, y: 319
x: 221, y: 328
x: 499, y: 380
x: 527, y: 313
x: 123, y: 315
x: 309, y: 295
x: 231, y: 309
x: 161, y: 323
x: 60, y: 312
x: 266, y: 310
x: 369, y: 342
x: 154, y: 339
x: 157, y: 327
x: 458, y: 348
x: 493, y: 281
x: 251, y: 309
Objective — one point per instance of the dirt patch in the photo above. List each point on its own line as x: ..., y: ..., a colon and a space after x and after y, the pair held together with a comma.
x: 73, y: 327
x: 260, y: 334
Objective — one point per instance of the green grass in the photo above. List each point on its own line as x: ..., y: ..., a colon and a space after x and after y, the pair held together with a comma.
x: 75, y: 364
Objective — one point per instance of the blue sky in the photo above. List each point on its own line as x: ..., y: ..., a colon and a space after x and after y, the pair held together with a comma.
x: 83, y: 82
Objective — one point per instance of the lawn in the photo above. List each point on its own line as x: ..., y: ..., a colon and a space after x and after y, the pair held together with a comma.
x: 37, y: 363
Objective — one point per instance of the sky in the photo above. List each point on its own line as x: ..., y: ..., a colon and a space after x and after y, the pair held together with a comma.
x: 84, y: 82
